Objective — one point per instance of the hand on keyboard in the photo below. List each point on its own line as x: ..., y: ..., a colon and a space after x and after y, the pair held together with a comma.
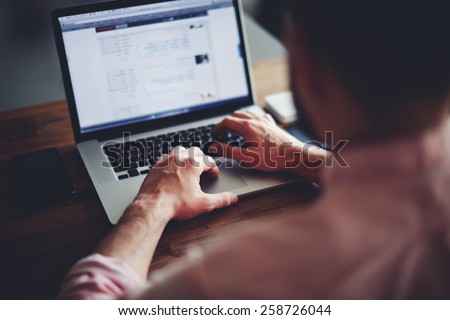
x: 135, y: 158
x: 173, y: 186
x: 267, y: 147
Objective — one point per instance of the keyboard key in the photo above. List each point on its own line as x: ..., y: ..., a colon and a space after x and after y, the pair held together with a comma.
x: 142, y: 142
x: 175, y: 144
x: 119, y: 169
x: 167, y: 138
x: 206, y: 146
x: 133, y: 173
x: 158, y: 153
x: 144, y: 172
x: 134, y: 153
x: 123, y: 177
x: 126, y: 163
x: 129, y: 166
x: 143, y: 164
x: 165, y: 148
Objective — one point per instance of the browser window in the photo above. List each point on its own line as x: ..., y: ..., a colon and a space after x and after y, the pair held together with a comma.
x: 154, y: 61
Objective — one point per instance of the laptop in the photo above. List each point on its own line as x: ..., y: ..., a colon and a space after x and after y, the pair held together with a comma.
x: 142, y: 77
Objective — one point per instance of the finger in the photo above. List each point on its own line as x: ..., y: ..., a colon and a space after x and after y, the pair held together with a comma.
x: 180, y: 156
x: 179, y: 151
x: 219, y: 201
x: 243, y: 155
x: 213, y: 171
x: 198, y: 155
x: 190, y: 155
x: 206, y: 164
x: 269, y: 117
x: 162, y: 159
x: 196, y: 151
x: 195, y: 158
x: 211, y: 166
x: 243, y: 115
x: 254, y: 115
x: 229, y: 124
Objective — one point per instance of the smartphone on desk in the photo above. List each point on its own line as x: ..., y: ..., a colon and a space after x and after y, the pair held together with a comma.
x: 42, y: 178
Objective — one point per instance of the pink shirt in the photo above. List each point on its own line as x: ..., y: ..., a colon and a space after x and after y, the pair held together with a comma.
x: 381, y: 229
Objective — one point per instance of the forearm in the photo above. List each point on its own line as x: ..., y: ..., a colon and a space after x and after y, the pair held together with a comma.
x: 170, y: 191
x: 135, y: 238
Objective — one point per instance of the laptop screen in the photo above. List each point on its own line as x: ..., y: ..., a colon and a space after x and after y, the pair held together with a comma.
x: 154, y: 61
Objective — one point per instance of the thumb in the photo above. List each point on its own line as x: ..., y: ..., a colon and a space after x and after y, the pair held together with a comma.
x: 219, y: 201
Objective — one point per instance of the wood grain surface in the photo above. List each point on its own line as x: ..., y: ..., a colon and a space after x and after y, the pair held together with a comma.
x: 38, y: 246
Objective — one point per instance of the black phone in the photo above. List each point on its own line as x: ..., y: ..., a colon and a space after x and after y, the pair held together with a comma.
x: 42, y: 178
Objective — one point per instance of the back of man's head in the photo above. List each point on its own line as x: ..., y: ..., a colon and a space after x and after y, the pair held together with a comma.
x: 387, y: 52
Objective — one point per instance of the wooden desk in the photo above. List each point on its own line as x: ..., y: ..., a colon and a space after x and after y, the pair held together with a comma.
x: 37, y: 247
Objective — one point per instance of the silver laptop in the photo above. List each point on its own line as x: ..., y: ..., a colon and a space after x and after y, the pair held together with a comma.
x: 144, y: 76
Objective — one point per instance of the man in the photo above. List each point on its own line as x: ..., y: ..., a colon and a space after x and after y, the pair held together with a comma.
x: 374, y: 73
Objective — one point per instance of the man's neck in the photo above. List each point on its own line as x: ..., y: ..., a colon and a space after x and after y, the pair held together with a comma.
x: 407, y: 123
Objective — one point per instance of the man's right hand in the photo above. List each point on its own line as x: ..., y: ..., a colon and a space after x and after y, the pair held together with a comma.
x: 175, y: 182
x: 268, y: 147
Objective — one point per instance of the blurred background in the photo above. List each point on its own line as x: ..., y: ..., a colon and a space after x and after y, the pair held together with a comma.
x: 29, y: 64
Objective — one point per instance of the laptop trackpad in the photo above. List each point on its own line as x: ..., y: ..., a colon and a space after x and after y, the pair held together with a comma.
x: 228, y: 180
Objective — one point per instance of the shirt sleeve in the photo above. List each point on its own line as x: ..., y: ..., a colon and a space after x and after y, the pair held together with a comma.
x: 99, y: 278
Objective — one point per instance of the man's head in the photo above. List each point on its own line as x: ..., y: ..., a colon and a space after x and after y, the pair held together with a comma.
x: 372, y: 62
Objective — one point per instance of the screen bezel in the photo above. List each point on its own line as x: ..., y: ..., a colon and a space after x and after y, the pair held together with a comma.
x: 150, y: 125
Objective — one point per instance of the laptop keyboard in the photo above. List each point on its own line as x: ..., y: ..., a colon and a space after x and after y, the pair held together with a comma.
x: 135, y: 158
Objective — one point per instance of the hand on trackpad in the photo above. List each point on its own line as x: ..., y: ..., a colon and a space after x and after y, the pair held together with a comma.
x: 228, y: 179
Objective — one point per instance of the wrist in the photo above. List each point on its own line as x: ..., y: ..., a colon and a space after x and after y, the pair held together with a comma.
x: 135, y: 238
x: 149, y: 208
x: 306, y: 160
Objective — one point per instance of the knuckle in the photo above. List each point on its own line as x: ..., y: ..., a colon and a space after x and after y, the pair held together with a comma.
x: 227, y: 120
x: 178, y: 148
x: 185, y: 161
x: 197, y: 150
x: 209, y: 206
x: 248, y: 125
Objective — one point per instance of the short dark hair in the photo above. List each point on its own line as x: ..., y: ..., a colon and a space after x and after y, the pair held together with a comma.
x: 387, y: 52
